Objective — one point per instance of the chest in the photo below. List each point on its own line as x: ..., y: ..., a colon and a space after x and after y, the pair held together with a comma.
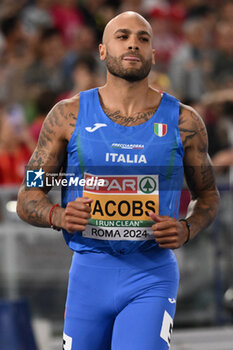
x: 148, y: 145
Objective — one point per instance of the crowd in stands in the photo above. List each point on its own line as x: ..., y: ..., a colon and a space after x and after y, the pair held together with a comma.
x: 49, y: 51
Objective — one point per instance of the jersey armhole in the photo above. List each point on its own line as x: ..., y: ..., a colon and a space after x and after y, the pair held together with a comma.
x: 178, y: 137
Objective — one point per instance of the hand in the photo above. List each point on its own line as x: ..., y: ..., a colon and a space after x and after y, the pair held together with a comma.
x: 75, y: 216
x: 169, y: 232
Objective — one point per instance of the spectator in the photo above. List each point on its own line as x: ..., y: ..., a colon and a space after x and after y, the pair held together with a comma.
x: 15, y: 56
x: 16, y: 146
x: 220, y: 129
x: 83, y: 42
x: 226, y: 12
x: 187, y: 67
x: 36, y: 16
x: 84, y: 75
x: 166, y: 40
x: 9, y: 8
x: 15, y: 41
x: 43, y: 104
x: 47, y: 71
x: 222, y: 72
x: 160, y: 81
x: 90, y: 10
x: 67, y: 18
x: 132, y: 5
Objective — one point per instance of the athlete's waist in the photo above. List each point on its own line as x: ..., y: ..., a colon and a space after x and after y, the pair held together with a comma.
x: 144, y: 259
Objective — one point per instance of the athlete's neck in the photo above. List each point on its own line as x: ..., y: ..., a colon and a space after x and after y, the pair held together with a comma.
x: 128, y: 103
x: 123, y: 95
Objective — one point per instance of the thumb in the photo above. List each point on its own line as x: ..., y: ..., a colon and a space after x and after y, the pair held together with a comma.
x: 155, y: 217
x: 85, y: 200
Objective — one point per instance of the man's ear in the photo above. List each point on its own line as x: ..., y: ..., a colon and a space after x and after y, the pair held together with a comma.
x: 102, y: 52
x: 153, y: 56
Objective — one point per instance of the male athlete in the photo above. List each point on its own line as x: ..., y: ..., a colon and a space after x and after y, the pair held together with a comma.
x: 136, y: 141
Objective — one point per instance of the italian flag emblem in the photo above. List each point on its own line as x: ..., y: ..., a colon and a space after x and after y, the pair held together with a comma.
x: 160, y: 129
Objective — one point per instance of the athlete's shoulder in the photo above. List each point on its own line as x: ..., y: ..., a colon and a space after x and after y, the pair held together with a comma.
x: 66, y: 110
x: 68, y: 106
x: 62, y: 117
x: 188, y: 114
x: 171, y: 98
x: 191, y: 125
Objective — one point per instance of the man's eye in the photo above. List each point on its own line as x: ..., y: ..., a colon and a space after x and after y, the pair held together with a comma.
x: 122, y: 37
x: 144, y: 39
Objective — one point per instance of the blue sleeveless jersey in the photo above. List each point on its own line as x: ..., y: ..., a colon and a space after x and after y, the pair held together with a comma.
x: 128, y: 171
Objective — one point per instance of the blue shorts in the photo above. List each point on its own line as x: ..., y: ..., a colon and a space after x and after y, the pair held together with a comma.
x: 124, y: 302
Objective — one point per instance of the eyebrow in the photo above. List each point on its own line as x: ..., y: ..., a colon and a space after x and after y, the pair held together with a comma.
x: 127, y: 31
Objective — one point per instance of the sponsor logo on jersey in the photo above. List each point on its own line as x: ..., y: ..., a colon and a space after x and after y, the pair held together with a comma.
x: 125, y: 158
x: 147, y: 184
x: 121, y: 206
x: 127, y: 146
x: 95, y: 127
x: 160, y: 129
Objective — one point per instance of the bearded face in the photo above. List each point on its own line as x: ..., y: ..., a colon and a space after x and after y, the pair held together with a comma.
x: 133, y: 72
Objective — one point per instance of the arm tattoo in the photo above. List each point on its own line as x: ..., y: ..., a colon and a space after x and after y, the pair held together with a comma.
x: 200, y: 179
x: 36, y: 210
x: 188, y: 134
x: 205, y: 196
x: 33, y: 203
x: 198, y: 172
x: 207, y: 178
x: 71, y: 118
x: 36, y: 160
x: 54, y: 118
x: 191, y: 128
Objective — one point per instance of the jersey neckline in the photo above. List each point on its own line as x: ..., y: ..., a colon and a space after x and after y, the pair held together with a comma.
x: 131, y: 127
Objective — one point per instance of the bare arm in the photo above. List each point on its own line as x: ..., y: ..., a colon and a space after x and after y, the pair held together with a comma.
x: 33, y: 204
x: 170, y: 233
x: 198, y: 171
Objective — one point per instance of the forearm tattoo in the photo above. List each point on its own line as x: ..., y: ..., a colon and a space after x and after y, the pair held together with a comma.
x: 33, y: 203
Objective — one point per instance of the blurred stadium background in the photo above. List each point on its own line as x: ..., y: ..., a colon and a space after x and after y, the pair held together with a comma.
x: 49, y: 51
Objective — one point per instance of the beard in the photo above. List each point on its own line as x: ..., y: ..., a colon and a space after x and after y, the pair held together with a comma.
x: 131, y: 74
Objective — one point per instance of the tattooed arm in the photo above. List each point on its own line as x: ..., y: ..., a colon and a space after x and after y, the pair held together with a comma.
x: 33, y: 204
x: 198, y: 171
x: 168, y: 232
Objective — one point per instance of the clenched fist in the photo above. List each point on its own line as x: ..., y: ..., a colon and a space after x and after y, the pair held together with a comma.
x: 169, y: 232
x: 76, y: 214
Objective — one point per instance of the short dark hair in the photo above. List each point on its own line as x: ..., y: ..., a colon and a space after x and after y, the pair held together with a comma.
x: 45, y: 101
x: 8, y: 25
x: 48, y: 33
x: 87, y: 60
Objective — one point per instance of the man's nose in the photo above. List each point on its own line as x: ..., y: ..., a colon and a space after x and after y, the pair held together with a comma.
x: 133, y: 47
x: 133, y: 44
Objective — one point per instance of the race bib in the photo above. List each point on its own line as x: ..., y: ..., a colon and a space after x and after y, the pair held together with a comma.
x: 121, y: 206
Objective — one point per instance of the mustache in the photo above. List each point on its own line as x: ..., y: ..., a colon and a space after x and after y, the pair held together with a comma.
x: 134, y: 54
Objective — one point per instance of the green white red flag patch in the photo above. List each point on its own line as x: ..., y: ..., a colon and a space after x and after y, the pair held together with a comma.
x: 160, y: 129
